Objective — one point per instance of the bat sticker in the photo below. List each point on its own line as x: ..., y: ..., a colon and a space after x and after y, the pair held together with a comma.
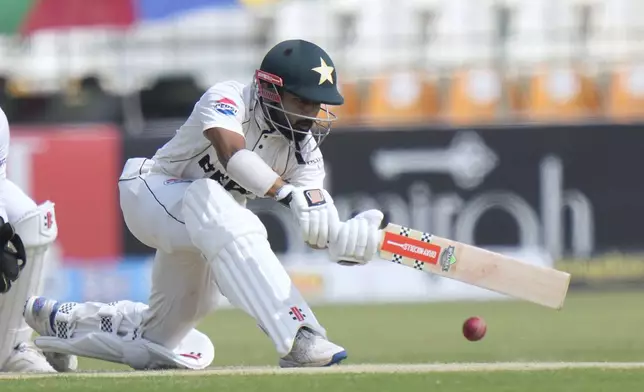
x: 411, y: 248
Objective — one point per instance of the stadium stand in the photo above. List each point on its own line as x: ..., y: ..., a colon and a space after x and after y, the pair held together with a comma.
x: 400, y: 61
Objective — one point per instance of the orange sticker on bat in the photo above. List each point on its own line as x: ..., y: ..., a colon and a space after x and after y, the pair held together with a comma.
x: 410, y: 247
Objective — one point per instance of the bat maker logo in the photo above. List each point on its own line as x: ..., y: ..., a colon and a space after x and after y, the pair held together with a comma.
x: 447, y: 258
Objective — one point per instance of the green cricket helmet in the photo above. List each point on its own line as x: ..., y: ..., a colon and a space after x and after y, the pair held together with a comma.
x: 305, y: 70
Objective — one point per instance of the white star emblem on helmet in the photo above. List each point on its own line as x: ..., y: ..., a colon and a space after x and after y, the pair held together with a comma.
x: 325, y: 72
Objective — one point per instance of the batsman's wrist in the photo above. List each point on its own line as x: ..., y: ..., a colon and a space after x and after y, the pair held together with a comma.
x: 284, y: 194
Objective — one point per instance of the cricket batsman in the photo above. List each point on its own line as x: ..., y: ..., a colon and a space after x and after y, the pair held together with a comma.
x: 27, y: 231
x: 189, y: 203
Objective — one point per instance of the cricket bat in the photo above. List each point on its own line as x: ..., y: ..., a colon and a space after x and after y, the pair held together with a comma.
x: 473, y: 265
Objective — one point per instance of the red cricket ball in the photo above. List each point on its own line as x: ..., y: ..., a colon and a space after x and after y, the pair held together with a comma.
x: 474, y: 328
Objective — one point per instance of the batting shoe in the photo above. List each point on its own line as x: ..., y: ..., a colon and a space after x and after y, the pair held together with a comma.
x: 26, y: 358
x: 39, y: 313
x: 311, y: 349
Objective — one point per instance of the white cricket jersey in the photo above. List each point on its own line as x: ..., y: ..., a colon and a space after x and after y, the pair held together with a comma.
x: 4, y: 144
x: 231, y: 105
x: 4, y: 153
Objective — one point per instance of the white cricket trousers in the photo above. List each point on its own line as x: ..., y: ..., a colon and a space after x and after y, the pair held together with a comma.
x: 183, y: 287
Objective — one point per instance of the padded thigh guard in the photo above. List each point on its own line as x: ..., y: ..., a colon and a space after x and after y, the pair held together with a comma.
x: 37, y: 230
x: 248, y: 273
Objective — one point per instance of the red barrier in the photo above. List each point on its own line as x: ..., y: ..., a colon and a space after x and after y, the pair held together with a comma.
x: 77, y: 168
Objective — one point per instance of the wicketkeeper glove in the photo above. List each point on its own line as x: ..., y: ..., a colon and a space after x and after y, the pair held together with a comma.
x: 12, y: 258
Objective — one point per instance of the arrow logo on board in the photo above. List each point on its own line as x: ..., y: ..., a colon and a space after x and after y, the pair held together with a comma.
x: 467, y: 160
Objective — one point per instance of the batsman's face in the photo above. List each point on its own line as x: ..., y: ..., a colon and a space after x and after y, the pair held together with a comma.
x: 299, y: 107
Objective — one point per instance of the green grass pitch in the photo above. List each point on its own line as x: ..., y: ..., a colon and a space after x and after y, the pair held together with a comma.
x: 527, y: 348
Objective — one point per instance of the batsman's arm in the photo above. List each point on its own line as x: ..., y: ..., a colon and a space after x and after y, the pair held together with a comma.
x: 221, y: 111
x: 245, y: 167
x: 312, y: 208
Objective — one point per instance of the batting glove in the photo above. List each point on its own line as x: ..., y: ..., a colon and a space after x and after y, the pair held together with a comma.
x: 314, y: 210
x: 358, y: 238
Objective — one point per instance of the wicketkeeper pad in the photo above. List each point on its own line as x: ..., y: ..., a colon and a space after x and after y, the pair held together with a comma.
x: 38, y: 230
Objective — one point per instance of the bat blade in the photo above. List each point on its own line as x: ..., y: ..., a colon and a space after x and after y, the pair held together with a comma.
x: 473, y: 265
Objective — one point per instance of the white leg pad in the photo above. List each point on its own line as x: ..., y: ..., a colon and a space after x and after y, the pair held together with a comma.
x: 247, y: 271
x: 110, y: 332
x: 253, y: 279
x: 38, y: 230
x: 208, y: 206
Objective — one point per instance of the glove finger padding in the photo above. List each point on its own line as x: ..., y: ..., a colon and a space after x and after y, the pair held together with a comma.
x: 305, y: 226
x: 371, y: 247
x: 322, y: 236
x: 339, y: 246
x: 344, y: 247
x: 334, y: 225
x: 374, y: 219
x: 354, y: 233
x: 363, y: 238
x: 314, y: 227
